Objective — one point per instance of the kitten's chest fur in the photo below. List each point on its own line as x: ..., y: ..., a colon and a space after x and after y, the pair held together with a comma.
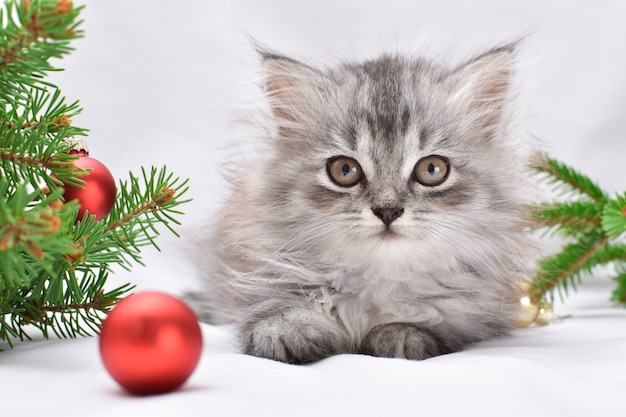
x: 366, y: 296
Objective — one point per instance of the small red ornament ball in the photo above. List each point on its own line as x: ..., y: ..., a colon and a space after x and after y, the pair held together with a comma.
x: 98, y: 193
x: 150, y: 343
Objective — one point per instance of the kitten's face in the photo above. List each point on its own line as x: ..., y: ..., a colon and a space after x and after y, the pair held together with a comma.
x: 391, y: 153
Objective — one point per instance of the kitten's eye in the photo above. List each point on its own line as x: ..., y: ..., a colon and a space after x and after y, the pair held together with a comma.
x: 431, y: 170
x: 344, y: 171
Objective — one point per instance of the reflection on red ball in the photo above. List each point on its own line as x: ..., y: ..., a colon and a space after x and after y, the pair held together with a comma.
x: 98, y: 193
x: 150, y: 343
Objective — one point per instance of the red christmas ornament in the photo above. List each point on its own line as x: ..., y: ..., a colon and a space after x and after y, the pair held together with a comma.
x: 98, y: 193
x: 150, y: 343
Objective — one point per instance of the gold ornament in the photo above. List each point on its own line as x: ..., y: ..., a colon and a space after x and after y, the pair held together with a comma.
x: 544, y: 315
x: 538, y: 312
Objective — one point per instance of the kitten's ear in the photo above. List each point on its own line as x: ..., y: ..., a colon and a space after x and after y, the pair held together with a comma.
x: 290, y: 85
x: 481, y: 86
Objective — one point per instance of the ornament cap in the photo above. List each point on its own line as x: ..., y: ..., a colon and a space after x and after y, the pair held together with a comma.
x: 78, y: 145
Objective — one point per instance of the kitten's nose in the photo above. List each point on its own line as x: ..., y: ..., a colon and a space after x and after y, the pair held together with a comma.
x: 388, y: 215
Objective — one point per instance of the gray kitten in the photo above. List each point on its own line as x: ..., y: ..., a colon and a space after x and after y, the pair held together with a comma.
x: 386, y: 215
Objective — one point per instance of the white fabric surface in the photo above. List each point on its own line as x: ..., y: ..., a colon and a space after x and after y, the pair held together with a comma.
x: 573, y: 367
x: 160, y: 83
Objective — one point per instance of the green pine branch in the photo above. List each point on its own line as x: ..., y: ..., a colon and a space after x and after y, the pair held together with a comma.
x: 614, y: 216
x: 53, y: 266
x: 142, y: 204
x: 563, y: 270
x: 619, y: 294
x: 33, y: 32
x: 49, y: 263
x: 562, y: 175
x: 594, y: 221
x: 576, y: 218
x: 31, y: 234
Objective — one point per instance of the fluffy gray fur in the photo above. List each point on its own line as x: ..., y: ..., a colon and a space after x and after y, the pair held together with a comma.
x: 307, y: 269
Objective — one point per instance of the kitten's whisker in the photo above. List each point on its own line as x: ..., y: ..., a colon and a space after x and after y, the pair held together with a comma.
x: 290, y: 251
x: 481, y: 248
x: 309, y: 234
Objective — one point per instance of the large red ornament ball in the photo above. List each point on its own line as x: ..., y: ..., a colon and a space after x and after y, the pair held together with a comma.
x: 98, y: 193
x: 150, y: 343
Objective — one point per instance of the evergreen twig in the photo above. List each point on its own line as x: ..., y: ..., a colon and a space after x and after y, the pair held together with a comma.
x: 595, y: 221
x: 54, y: 267
x: 561, y: 174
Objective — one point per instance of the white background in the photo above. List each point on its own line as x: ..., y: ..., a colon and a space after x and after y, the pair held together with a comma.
x: 161, y: 83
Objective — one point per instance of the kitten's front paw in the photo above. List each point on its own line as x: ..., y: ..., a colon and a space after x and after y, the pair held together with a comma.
x: 294, y: 335
x: 402, y: 340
